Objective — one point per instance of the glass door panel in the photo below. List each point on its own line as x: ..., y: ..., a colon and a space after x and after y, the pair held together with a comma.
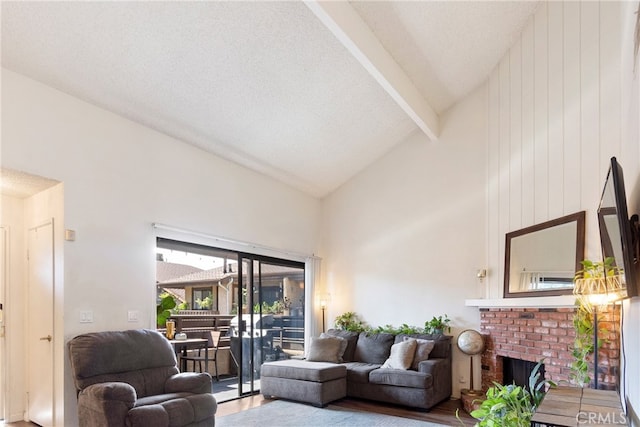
x: 273, y: 295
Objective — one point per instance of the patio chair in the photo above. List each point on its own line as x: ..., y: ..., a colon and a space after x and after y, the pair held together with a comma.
x: 130, y: 378
x: 214, y: 341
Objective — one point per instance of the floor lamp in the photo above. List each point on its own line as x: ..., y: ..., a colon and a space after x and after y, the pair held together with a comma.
x: 324, y: 300
x: 594, y: 292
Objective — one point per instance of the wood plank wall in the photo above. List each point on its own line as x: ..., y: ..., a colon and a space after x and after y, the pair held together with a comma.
x: 554, y: 122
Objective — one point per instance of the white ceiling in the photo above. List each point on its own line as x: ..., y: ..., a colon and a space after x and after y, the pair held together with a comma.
x: 265, y: 84
x: 22, y: 185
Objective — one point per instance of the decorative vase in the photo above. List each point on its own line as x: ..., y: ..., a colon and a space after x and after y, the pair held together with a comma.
x: 171, y: 329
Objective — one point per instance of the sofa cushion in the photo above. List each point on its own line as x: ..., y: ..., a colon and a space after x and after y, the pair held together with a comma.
x: 402, y: 354
x: 358, y: 372
x: 343, y: 345
x: 303, y: 370
x: 325, y: 349
x: 442, y: 347
x: 400, y: 378
x: 423, y: 350
x: 178, y: 411
x: 373, y: 348
x: 352, y: 339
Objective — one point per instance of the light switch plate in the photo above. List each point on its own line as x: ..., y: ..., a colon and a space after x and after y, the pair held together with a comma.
x: 133, y: 315
x: 86, y: 316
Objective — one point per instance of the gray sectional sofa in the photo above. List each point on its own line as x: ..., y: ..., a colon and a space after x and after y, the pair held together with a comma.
x: 366, y: 367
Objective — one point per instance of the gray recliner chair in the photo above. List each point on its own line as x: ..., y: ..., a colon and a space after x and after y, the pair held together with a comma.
x: 130, y: 378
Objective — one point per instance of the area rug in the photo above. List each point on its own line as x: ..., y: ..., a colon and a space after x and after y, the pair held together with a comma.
x: 282, y: 413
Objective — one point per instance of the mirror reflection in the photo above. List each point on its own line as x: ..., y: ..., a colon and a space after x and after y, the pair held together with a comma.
x: 542, y: 260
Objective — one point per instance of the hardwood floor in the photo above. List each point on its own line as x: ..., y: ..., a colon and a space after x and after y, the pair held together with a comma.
x: 18, y: 424
x: 444, y: 413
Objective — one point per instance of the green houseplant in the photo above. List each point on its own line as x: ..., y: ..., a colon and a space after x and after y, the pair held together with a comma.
x: 583, y: 345
x: 595, y: 284
x: 511, y: 405
x: 402, y: 329
x: 349, y: 321
x: 437, y: 325
x: 163, y: 309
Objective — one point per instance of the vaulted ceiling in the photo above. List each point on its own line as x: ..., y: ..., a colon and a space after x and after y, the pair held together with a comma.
x: 309, y: 93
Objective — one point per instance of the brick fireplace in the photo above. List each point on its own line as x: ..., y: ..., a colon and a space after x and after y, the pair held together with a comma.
x: 534, y: 333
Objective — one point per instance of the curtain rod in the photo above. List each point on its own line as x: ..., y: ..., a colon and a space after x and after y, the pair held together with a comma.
x: 231, y: 241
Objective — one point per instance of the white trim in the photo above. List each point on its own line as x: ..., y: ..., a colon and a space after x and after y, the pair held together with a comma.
x: 4, y: 392
x: 192, y: 236
x: 555, y: 301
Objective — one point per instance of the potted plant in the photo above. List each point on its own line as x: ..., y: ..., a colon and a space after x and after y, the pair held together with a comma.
x: 511, y: 405
x: 437, y: 325
x: 349, y: 322
x: 163, y: 309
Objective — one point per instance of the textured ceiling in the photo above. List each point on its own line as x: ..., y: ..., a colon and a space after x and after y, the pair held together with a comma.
x: 447, y: 47
x: 264, y: 84
x: 22, y: 185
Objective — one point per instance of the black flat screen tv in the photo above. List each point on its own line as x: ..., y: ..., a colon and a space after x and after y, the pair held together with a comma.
x: 618, y: 232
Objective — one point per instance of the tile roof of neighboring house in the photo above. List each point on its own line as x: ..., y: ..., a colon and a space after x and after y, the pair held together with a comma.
x: 211, y: 275
x: 216, y: 274
x: 169, y: 270
x: 178, y: 293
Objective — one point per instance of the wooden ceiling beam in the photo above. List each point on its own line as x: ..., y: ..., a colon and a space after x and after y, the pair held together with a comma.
x: 349, y: 28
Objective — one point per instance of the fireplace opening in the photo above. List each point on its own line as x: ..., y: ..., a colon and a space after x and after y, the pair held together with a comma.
x: 518, y: 371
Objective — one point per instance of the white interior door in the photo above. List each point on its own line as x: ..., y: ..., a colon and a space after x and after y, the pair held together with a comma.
x: 40, y: 325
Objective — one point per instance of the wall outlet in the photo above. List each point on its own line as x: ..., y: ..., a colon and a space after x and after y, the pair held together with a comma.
x: 133, y: 315
x: 462, y: 379
x: 86, y: 316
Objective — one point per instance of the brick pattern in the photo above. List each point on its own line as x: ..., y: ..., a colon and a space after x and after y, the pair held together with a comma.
x: 535, y: 333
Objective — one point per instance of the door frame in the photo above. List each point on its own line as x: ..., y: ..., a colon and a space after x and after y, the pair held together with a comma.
x: 4, y: 268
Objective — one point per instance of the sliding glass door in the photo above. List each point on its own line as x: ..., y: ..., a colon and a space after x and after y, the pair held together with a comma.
x: 256, y: 302
x: 272, y: 326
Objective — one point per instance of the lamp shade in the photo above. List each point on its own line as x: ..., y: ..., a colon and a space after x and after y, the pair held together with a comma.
x: 324, y: 300
x: 600, y: 290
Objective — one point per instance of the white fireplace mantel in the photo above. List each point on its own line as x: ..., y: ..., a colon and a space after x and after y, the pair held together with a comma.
x: 542, y: 302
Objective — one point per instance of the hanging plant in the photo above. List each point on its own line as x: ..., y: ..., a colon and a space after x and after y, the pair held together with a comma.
x: 596, y: 280
x: 582, y: 345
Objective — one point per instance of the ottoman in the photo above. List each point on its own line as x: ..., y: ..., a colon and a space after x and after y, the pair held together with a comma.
x: 317, y: 383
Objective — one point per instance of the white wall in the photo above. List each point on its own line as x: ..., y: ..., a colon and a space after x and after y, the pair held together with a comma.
x: 554, y: 122
x: 405, y: 237
x: 562, y: 102
x: 119, y: 177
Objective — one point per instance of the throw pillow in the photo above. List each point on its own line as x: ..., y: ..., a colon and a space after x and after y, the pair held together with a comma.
x: 373, y: 348
x: 423, y: 350
x: 352, y: 339
x: 401, y: 355
x: 324, y: 349
x: 343, y: 345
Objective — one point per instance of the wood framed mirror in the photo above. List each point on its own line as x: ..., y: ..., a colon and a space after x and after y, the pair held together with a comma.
x: 542, y: 260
